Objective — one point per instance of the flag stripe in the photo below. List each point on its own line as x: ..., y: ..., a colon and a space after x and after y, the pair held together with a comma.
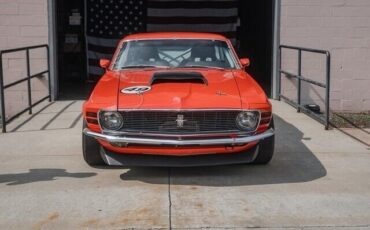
x: 193, y: 20
x: 102, y: 41
x: 192, y: 4
x: 96, y: 55
x: 101, y: 49
x: 208, y: 12
x: 215, y: 16
x: 216, y: 28
x: 96, y: 70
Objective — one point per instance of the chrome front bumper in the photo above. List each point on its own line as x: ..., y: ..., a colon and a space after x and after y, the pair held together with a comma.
x: 187, y: 142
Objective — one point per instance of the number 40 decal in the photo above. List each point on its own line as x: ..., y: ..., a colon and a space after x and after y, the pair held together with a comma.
x: 136, y: 89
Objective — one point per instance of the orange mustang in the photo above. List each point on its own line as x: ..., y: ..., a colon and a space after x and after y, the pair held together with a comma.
x: 177, y: 99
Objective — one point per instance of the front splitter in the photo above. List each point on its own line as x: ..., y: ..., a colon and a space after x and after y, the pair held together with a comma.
x: 143, y: 160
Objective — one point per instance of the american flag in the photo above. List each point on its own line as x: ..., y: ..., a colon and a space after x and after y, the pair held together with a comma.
x: 217, y: 16
x: 107, y: 21
x: 110, y: 20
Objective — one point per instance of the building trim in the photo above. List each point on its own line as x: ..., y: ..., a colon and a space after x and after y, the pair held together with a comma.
x: 276, y: 43
x: 53, y: 76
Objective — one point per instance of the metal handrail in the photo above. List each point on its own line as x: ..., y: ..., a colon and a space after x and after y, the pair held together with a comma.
x: 300, y: 78
x: 5, y: 121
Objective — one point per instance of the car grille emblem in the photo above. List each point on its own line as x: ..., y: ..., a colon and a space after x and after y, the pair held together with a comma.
x: 180, y: 121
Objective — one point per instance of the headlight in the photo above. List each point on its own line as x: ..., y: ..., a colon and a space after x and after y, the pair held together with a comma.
x: 111, y: 120
x: 248, y: 120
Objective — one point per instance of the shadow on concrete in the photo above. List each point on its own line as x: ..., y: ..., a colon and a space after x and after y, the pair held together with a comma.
x: 38, y: 175
x: 48, y: 123
x: 293, y: 163
x: 364, y: 135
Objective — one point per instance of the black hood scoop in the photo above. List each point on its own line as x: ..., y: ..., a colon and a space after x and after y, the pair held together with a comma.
x: 178, y: 77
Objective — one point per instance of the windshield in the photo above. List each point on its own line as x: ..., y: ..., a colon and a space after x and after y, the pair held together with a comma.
x: 175, y: 54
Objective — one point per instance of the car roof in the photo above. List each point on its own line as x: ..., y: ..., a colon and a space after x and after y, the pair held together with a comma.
x: 174, y: 35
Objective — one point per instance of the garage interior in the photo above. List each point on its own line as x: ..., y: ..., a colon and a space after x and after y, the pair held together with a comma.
x: 254, y: 36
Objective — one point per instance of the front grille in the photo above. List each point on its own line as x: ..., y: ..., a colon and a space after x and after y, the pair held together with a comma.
x: 180, y: 122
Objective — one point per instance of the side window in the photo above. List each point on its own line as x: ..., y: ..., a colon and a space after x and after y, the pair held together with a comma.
x: 217, y: 51
x: 122, y: 56
x: 228, y: 58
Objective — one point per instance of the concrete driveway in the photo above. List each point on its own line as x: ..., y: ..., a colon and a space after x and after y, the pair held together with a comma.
x: 317, y: 180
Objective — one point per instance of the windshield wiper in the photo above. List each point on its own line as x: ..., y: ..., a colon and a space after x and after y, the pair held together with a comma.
x: 202, y: 66
x: 143, y: 66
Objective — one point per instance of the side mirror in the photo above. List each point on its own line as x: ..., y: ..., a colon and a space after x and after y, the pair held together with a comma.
x: 104, y: 63
x: 245, y: 62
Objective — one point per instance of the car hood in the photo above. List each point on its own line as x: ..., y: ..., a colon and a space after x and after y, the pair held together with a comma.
x: 219, y: 92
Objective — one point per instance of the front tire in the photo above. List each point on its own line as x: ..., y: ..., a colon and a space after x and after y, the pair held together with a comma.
x: 91, y: 150
x: 266, y: 149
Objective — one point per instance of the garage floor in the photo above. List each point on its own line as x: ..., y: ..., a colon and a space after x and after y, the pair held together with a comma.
x: 318, y: 180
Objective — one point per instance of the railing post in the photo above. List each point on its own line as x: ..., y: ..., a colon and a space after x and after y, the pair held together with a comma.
x: 29, y: 81
x: 327, y: 98
x: 279, y: 73
x: 49, y: 73
x: 299, y: 80
x: 2, y: 105
x: 28, y: 78
x: 324, y: 119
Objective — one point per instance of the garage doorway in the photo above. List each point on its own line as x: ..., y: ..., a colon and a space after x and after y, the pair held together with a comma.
x: 71, y: 50
x: 254, y: 36
x: 257, y: 38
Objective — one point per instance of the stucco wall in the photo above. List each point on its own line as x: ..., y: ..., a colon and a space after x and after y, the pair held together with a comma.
x: 23, y: 23
x: 343, y: 28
